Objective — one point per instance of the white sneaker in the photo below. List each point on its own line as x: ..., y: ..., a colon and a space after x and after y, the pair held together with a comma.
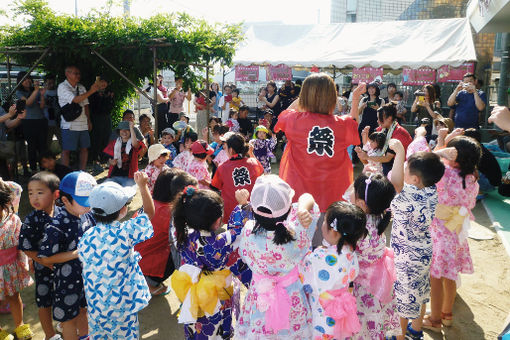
x: 56, y: 337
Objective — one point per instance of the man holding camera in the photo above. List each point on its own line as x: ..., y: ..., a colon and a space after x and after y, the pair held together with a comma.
x: 468, y: 101
x: 75, y: 133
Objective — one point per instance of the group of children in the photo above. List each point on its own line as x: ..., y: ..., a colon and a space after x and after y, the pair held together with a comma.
x: 90, y: 278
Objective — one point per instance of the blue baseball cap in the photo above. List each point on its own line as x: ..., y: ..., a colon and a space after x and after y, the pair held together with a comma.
x: 79, y: 185
x: 110, y: 197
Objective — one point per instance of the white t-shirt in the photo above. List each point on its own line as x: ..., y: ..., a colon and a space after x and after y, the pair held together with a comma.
x: 225, y: 112
x: 66, y: 94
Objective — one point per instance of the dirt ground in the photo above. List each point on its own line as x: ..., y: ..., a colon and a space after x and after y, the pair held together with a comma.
x: 480, y: 311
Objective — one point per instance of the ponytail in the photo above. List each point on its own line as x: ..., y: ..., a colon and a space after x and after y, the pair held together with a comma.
x: 196, y: 209
x: 383, y: 223
x: 282, y: 235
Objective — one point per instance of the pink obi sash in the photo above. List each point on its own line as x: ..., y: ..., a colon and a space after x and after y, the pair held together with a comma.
x: 273, y: 298
x: 378, y: 277
x: 8, y: 256
x: 341, y: 306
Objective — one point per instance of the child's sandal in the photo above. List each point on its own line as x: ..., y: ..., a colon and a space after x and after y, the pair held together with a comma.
x: 433, y: 325
x: 23, y: 332
x: 447, y: 319
x: 5, y: 336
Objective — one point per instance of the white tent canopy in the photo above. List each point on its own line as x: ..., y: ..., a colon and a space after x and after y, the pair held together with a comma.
x: 392, y: 44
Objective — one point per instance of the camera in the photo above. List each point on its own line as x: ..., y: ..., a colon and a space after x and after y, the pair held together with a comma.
x: 419, y: 93
x: 20, y: 105
x: 425, y: 122
x: 41, y: 83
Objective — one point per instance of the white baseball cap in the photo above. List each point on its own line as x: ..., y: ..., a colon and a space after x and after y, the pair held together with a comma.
x: 226, y: 136
x: 156, y: 150
x: 272, y: 193
x: 110, y: 197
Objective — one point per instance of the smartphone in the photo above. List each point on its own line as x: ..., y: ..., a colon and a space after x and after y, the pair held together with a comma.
x: 20, y: 105
x: 370, y: 104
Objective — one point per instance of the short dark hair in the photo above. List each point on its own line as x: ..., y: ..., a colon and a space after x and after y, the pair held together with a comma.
x: 469, y: 74
x: 49, y: 179
x: 399, y: 93
x: 473, y: 133
x: 392, y: 85
x: 200, y: 155
x: 220, y: 129
x: 192, y: 136
x: 244, y: 107
x: 379, y: 138
x: 163, y: 183
x: 47, y: 155
x: 128, y: 111
x: 232, y: 112
x: 142, y: 117
x: 236, y: 90
x: 49, y: 76
x: 387, y: 111
x: 427, y: 166
x: 99, y: 216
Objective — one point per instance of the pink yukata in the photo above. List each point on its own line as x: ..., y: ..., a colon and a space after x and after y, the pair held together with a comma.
x: 276, y: 278
x: 326, y: 276
x: 199, y: 170
x: 373, y: 287
x: 153, y: 173
x: 450, y: 251
x: 183, y: 160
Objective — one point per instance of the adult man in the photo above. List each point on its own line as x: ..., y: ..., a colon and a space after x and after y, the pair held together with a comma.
x: 392, y: 89
x: 75, y: 134
x: 468, y: 101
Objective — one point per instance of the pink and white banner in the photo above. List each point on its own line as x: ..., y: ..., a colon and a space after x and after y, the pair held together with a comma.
x: 419, y: 76
x: 279, y: 72
x: 449, y: 74
x: 366, y: 74
x: 247, y: 73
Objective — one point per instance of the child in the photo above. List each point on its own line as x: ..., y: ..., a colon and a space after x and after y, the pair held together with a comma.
x: 327, y: 272
x: 124, y: 152
x: 49, y: 163
x: 413, y: 209
x: 261, y: 105
x: 42, y: 194
x: 245, y: 124
x: 457, y: 192
x: 157, y: 261
x: 197, y: 215
x: 236, y: 100
x: 146, y: 129
x: 158, y: 155
x: 184, y: 159
x: 373, y: 287
x: 222, y: 154
x: 232, y: 122
x: 374, y: 146
x: 198, y: 167
x: 272, y: 245
x: 114, y: 284
x: 401, y: 110
x: 14, y: 275
x: 263, y: 147
x: 59, y: 248
x: 168, y: 139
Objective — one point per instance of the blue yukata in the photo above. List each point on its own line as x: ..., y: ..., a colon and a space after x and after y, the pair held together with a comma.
x: 31, y: 234
x: 263, y: 151
x: 210, y: 252
x: 173, y: 153
x: 115, y: 287
x: 413, y: 210
x: 62, y: 234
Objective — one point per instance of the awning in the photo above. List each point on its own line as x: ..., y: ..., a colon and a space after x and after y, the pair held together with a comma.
x: 489, y: 16
x: 392, y: 44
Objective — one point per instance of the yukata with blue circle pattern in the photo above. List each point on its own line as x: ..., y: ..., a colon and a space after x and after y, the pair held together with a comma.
x: 210, y: 252
x: 325, y: 270
x: 115, y: 287
x: 413, y: 209
x: 61, y: 235
x: 30, y: 238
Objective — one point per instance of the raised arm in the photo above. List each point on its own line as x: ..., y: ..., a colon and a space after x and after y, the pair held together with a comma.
x: 356, y: 96
x: 397, y: 172
x: 141, y: 180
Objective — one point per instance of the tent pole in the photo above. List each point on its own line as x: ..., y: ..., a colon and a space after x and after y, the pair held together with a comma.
x: 207, y: 91
x: 334, y: 73
x: 9, y: 71
x: 155, y: 102
x: 11, y: 92
x: 223, y: 81
x: 122, y: 75
x: 503, y: 73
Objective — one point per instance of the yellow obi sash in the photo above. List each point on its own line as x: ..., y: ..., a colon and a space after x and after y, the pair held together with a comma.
x: 454, y: 217
x: 200, y: 294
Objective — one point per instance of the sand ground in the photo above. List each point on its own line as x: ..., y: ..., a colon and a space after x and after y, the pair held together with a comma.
x: 480, y: 311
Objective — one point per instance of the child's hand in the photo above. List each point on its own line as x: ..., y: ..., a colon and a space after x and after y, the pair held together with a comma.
x: 242, y: 196
x: 420, y: 132
x: 305, y: 218
x: 365, y: 131
x: 141, y: 178
x: 447, y: 153
x: 358, y: 149
x: 396, y: 145
x: 442, y: 133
